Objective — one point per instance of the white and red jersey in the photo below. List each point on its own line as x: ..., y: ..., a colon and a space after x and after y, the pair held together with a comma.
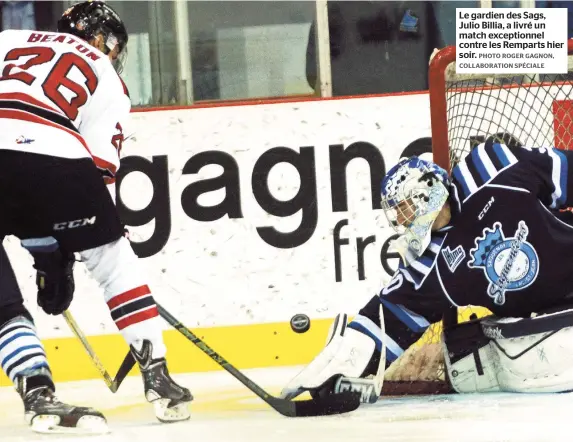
x: 60, y: 96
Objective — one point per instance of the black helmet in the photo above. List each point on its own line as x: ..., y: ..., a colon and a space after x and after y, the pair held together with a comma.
x: 87, y: 20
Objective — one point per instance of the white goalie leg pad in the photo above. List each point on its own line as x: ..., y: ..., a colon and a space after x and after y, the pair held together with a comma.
x: 346, y: 354
x: 471, y: 363
x: 370, y: 388
x: 534, y: 355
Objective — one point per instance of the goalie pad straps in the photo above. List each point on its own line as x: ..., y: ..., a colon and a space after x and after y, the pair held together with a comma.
x: 506, y: 328
x: 470, y: 362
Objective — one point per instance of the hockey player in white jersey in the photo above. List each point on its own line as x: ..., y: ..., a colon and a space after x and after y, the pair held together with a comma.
x: 497, y: 234
x: 62, y: 104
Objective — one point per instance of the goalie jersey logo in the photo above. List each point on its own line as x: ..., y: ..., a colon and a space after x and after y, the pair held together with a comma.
x: 508, y: 263
x: 453, y: 257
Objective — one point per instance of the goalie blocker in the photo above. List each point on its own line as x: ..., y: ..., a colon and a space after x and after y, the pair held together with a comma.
x: 531, y: 355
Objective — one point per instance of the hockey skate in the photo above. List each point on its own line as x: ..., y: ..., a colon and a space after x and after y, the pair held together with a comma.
x: 46, y: 414
x: 169, y: 399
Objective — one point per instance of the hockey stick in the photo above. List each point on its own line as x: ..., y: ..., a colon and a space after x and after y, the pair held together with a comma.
x: 126, y: 365
x: 332, y: 404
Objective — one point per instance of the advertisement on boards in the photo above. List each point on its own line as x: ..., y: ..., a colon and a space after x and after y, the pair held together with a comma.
x: 252, y: 214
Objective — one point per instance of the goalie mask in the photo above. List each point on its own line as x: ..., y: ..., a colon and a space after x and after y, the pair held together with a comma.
x: 413, y: 194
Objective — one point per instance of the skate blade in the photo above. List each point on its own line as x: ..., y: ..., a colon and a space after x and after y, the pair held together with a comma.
x: 50, y: 424
x: 176, y: 413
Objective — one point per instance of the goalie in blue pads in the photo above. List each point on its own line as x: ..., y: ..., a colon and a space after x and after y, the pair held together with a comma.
x: 496, y: 233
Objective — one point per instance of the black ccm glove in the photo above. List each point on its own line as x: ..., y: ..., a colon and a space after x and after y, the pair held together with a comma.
x: 54, y: 274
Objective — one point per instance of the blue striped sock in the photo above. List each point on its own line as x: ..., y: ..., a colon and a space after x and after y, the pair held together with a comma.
x: 21, y: 351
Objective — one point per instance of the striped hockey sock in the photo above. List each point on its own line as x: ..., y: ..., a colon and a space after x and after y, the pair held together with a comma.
x: 132, y: 307
x: 21, y: 351
x: 136, y: 316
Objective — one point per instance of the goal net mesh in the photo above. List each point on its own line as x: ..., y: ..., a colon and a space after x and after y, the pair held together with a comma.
x: 533, y: 111
x: 467, y: 110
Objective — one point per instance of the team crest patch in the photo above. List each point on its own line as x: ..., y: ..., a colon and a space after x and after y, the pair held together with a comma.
x: 509, y: 263
x: 453, y: 257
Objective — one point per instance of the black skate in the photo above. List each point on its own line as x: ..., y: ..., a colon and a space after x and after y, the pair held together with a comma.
x: 169, y: 399
x: 46, y: 414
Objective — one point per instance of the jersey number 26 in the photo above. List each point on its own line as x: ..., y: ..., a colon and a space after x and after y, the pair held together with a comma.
x: 58, y: 76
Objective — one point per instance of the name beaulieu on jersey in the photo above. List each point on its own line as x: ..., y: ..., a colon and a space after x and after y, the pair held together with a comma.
x: 305, y: 201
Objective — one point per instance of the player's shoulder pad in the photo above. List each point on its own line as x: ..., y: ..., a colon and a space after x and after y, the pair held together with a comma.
x: 113, y: 85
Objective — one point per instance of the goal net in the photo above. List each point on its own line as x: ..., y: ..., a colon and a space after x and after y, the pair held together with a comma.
x: 466, y: 110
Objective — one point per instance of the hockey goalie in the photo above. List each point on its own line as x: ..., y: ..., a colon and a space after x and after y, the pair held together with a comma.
x: 497, y: 234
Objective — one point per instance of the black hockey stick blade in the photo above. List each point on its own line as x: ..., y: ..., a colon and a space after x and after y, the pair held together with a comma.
x: 333, y: 404
x: 124, y: 369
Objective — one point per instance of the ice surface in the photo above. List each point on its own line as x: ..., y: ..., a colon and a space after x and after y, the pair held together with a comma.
x: 224, y: 410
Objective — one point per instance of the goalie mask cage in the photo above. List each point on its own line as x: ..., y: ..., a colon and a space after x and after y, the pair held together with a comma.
x: 466, y: 110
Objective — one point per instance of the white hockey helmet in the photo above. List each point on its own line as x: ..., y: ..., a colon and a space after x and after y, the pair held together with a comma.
x: 413, y: 194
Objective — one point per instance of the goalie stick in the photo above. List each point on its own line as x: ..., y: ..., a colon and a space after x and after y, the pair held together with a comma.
x: 126, y: 365
x: 332, y: 404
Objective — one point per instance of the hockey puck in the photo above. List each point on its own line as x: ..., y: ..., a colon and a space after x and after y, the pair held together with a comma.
x: 300, y: 323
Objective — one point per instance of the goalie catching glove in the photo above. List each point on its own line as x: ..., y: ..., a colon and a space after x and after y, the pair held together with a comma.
x: 348, y: 362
